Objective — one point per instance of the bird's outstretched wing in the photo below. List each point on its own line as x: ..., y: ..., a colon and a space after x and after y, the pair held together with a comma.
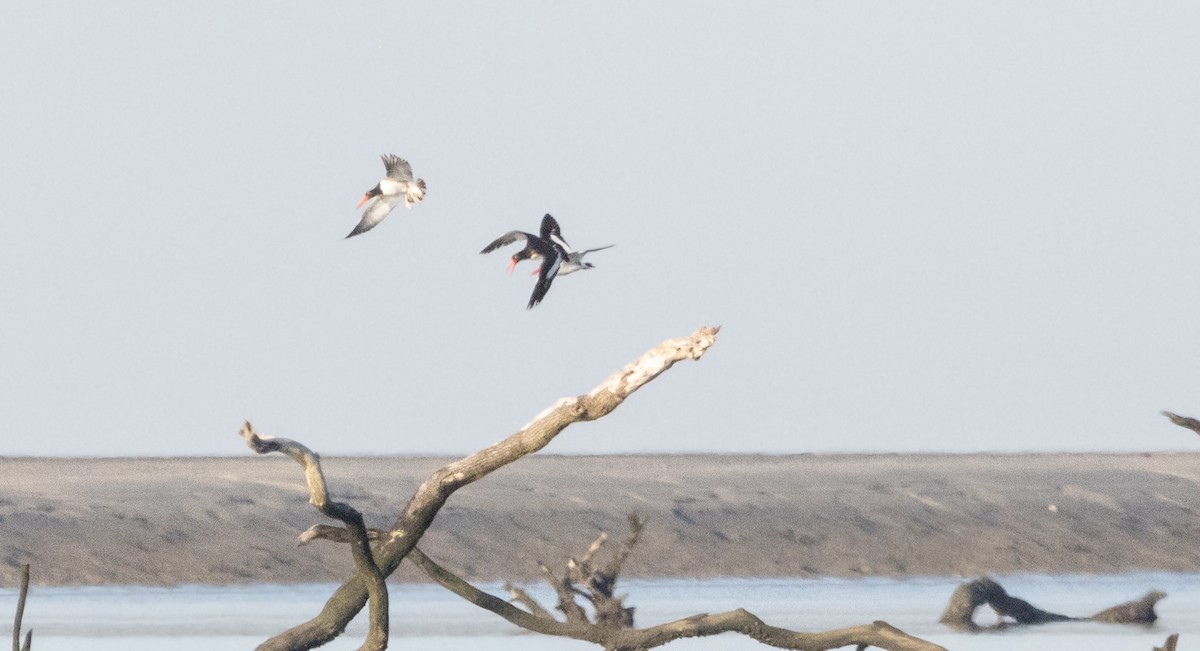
x: 506, y: 239
x: 553, y: 261
x: 397, y: 168
x: 379, y: 207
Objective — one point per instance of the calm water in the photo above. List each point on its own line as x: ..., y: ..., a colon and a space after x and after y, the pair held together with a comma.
x: 218, y: 618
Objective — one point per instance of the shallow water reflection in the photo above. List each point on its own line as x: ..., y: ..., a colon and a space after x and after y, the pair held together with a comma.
x: 427, y: 617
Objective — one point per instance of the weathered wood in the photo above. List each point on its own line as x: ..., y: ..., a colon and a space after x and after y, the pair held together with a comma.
x: 337, y: 534
x: 574, y: 613
x: 599, y: 582
x: 1169, y: 645
x: 969, y: 596
x: 1183, y: 421
x: 352, y: 595
x: 1140, y: 611
x: 966, y: 598
x: 24, y: 591
x: 877, y: 634
x: 1018, y: 609
x: 366, y: 568
x: 521, y: 597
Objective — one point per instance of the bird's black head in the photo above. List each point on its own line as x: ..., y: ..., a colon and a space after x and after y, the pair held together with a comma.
x: 373, y: 192
x: 523, y: 254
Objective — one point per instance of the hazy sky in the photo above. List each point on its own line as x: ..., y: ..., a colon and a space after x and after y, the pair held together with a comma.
x: 922, y: 226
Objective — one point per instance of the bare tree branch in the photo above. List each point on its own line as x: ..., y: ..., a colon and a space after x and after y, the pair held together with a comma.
x: 636, y: 524
x: 1139, y: 611
x: 21, y: 611
x: 574, y: 613
x: 1184, y: 421
x: 349, y: 599
x: 1169, y: 645
x: 360, y: 546
x: 522, y: 597
x: 600, y: 582
x: 594, y: 547
x: 878, y: 634
x: 338, y: 534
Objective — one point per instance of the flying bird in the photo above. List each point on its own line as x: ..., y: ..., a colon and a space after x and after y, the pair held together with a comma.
x: 574, y: 260
x: 397, y: 186
x: 550, y: 232
x: 549, y: 247
x: 532, y: 251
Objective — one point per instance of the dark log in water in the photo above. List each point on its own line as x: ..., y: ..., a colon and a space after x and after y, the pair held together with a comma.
x: 1133, y: 612
x: 960, y: 613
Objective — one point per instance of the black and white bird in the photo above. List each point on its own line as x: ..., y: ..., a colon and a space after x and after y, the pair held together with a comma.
x: 574, y: 260
x: 550, y: 231
x: 397, y: 186
x: 556, y: 255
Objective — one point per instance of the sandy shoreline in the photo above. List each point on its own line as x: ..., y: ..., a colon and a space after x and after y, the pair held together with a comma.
x: 235, y: 520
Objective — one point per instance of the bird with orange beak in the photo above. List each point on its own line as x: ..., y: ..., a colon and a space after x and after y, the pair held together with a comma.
x: 397, y: 186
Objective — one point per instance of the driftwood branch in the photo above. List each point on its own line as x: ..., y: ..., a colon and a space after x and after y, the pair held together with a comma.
x: 1194, y: 425
x: 597, y: 583
x: 350, y: 598
x: 636, y: 524
x: 574, y: 613
x: 1139, y: 611
x: 366, y: 570
x: 16, y: 633
x: 521, y: 597
x: 969, y: 596
x: 338, y: 534
x: 1169, y: 645
x: 877, y: 634
x: 1184, y: 421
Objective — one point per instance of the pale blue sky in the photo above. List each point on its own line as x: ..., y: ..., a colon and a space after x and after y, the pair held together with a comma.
x: 923, y: 226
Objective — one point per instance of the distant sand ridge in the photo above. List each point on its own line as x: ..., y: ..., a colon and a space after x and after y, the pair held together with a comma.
x: 235, y: 520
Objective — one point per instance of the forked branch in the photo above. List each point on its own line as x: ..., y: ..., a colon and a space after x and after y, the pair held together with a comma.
x: 350, y: 598
x: 366, y: 569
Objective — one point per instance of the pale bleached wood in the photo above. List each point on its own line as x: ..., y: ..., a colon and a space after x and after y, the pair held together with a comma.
x: 352, y: 595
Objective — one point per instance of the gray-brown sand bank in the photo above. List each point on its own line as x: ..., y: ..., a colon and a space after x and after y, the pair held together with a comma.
x: 235, y: 520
